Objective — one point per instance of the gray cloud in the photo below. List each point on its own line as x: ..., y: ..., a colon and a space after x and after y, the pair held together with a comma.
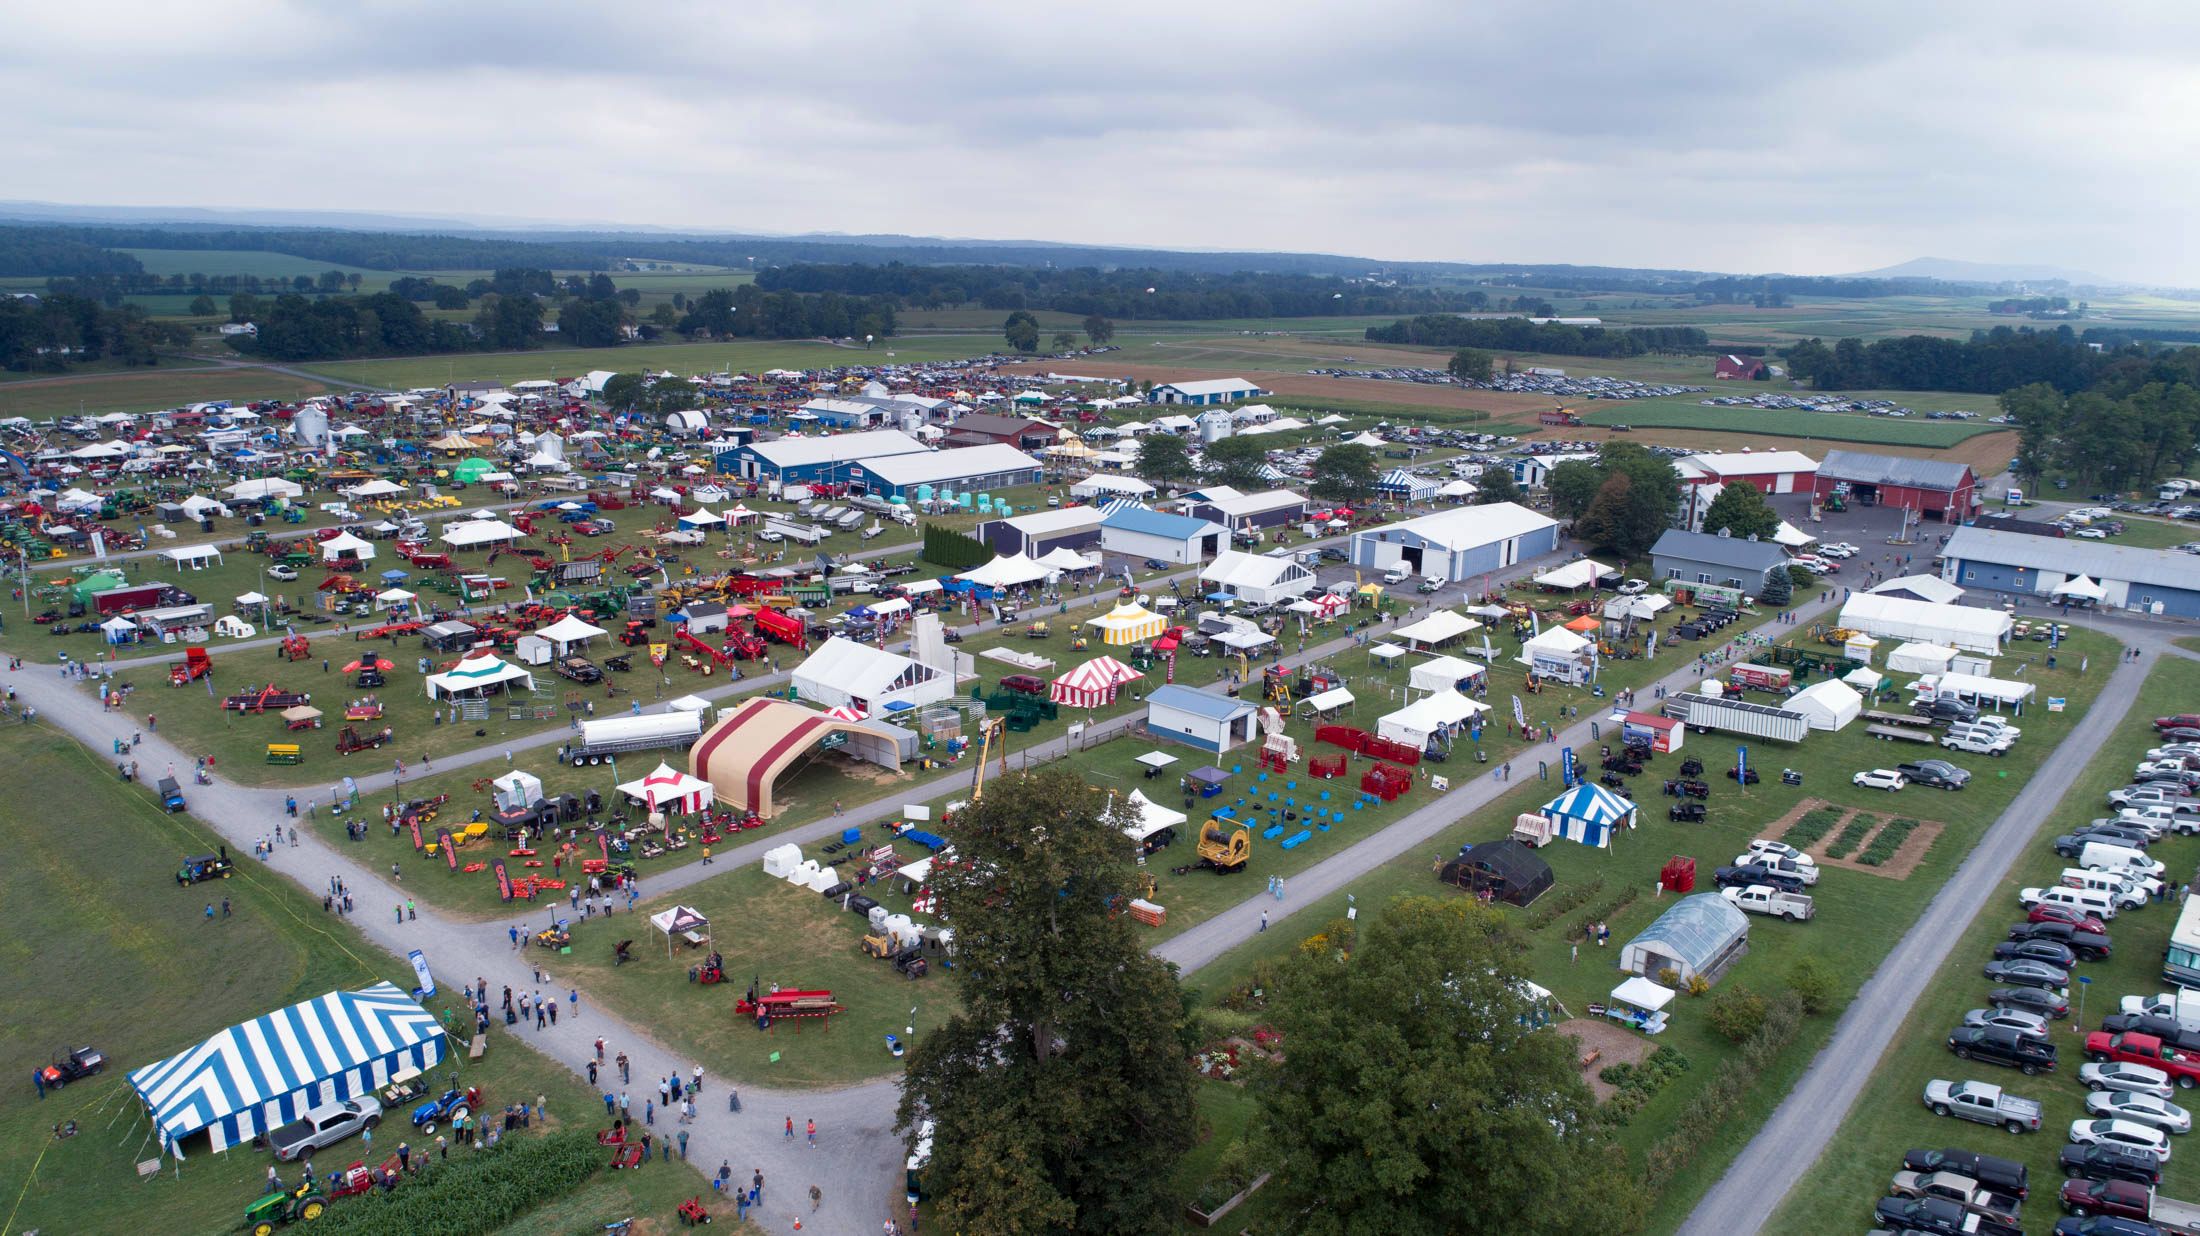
x: 1714, y: 135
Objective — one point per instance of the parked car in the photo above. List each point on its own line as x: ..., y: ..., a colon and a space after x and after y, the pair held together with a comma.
x: 2109, y: 1162
x: 323, y: 1128
x: 2136, y: 1048
x: 1686, y: 812
x: 2120, y: 1208
x: 2121, y: 1133
x: 1934, y: 774
x: 2027, y: 973
x: 1960, y: 1189
x: 2139, y: 1108
x: 1944, y: 708
x: 2050, y: 951
x: 1634, y: 587
x: 1806, y: 870
x: 2087, y: 945
x: 1936, y: 1216
x: 2048, y: 1004
x: 2007, y: 1175
x: 1755, y: 873
x: 1878, y: 779
x: 2178, y: 721
x: 2122, y: 1075
x: 1778, y: 849
x: 2167, y: 1029
x: 1024, y: 683
x: 2030, y: 1024
x: 2049, y: 912
x: 1764, y: 899
x: 1995, y: 1045
x: 282, y: 572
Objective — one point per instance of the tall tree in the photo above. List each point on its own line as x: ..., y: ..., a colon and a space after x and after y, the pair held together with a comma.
x: 1346, y: 473
x: 1060, y: 1095
x: 1098, y: 329
x: 203, y: 306
x: 1604, y: 524
x: 1471, y: 364
x: 624, y: 392
x: 1162, y: 459
x: 1571, y: 485
x: 1741, y: 511
x: 1497, y: 484
x: 1022, y: 331
x: 1237, y: 461
x: 1063, y: 341
x: 1416, y: 1098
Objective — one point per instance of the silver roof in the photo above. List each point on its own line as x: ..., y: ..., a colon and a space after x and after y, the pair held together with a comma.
x: 1892, y: 470
x: 2166, y: 568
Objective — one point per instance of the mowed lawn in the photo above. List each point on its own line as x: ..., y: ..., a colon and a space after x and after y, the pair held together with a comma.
x: 104, y: 950
x: 1687, y: 413
x: 1860, y: 913
x: 1889, y: 1118
x: 150, y: 390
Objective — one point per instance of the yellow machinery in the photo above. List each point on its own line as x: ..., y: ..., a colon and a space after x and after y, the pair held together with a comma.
x: 1224, y: 846
x: 992, y: 733
x: 877, y: 946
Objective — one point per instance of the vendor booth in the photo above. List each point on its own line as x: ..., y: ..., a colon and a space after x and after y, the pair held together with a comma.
x: 1590, y: 814
x: 1640, y: 1003
x: 668, y: 789
x: 1128, y: 623
x: 682, y: 925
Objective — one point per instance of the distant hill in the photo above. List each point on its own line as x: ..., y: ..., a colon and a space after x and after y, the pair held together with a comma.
x: 1957, y: 271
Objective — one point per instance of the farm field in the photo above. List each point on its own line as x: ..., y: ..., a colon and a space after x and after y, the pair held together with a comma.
x: 1888, y: 1118
x: 148, y: 390
x: 123, y: 929
x: 1861, y: 909
x: 1687, y: 412
x: 685, y: 358
x: 165, y: 262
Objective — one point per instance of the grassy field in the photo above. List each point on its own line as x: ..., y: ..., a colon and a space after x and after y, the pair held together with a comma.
x: 165, y: 262
x: 111, y: 954
x: 1687, y: 413
x: 148, y: 390
x: 1888, y: 1118
x: 683, y: 358
x: 1860, y: 912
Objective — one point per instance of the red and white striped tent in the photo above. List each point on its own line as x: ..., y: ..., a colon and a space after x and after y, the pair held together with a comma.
x: 845, y: 713
x: 1329, y: 605
x: 1092, y: 684
x: 669, y: 788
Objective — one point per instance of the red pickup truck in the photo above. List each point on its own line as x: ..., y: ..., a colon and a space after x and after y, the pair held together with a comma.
x: 2127, y: 1200
x: 2182, y: 1066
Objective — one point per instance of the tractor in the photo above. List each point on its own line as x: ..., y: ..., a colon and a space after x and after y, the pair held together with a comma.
x: 302, y: 1204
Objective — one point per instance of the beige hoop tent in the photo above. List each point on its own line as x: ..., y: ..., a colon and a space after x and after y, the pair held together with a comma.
x: 754, y: 745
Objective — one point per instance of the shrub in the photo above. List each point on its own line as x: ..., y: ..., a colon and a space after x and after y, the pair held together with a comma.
x: 1713, y: 1107
x: 1698, y: 985
x: 1888, y: 841
x: 1638, y: 1084
x: 476, y: 1193
x: 1813, y: 824
x: 1813, y: 983
x: 1736, y: 1014
x: 1604, y: 911
x: 1565, y: 902
x: 1669, y: 976
x: 1851, y: 835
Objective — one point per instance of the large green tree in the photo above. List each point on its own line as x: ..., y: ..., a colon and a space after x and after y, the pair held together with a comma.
x: 1022, y: 331
x: 1471, y: 364
x: 1345, y: 473
x: 1604, y: 524
x: 1571, y: 485
x: 1098, y: 329
x: 1497, y: 484
x: 1163, y: 459
x: 1741, y: 511
x: 1060, y: 1094
x: 1415, y: 1098
x: 1237, y: 461
x: 625, y: 392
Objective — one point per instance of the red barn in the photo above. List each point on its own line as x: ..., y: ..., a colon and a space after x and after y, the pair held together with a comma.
x: 1774, y: 472
x: 1738, y: 368
x: 1942, y: 490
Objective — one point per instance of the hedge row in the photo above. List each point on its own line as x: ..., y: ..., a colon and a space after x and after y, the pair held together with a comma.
x: 475, y: 1193
x: 1713, y: 1109
x: 1887, y: 842
x: 1639, y: 1083
x: 1572, y: 898
x: 1605, y: 910
x: 1851, y: 835
x: 1815, y: 823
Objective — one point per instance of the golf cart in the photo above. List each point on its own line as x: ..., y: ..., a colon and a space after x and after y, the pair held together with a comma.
x: 205, y: 867
x: 73, y: 1066
x: 171, y: 794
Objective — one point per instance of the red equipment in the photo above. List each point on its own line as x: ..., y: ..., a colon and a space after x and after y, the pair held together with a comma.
x: 1326, y: 766
x: 391, y: 630
x: 692, y: 1212
x: 786, y: 628
x: 772, y: 1006
x: 264, y: 698
x: 685, y: 640
x: 1386, y: 781
x: 1678, y: 875
x: 297, y: 648
x: 194, y: 666
x: 351, y: 740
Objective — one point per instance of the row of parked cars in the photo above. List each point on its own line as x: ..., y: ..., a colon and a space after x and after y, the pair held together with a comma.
x: 2144, y: 1052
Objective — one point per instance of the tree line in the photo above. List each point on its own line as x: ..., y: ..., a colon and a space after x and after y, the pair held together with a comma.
x: 1522, y: 335
x: 55, y: 332
x: 2136, y: 422
x: 1144, y: 293
x: 1987, y: 363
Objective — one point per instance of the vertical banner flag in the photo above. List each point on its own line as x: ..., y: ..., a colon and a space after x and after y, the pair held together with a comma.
x: 1741, y: 766
x: 450, y: 852
x: 504, y: 882
x: 420, y: 968
x: 1566, y: 765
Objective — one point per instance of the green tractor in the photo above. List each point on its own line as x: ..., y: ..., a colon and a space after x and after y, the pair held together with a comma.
x: 302, y: 1204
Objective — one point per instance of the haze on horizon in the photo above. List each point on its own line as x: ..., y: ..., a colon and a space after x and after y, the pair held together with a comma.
x: 1713, y: 136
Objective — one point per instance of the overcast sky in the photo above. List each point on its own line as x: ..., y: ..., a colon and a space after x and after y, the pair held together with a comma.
x: 1743, y: 137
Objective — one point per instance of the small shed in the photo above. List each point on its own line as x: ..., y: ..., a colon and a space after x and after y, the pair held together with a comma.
x: 1199, y: 719
x: 1503, y: 870
x: 1701, y: 934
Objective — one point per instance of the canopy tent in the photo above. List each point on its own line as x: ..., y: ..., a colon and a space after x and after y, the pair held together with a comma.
x: 1420, y: 721
x: 474, y: 532
x: 1558, y: 653
x: 668, y: 787
x: 1920, y: 658
x: 1321, y: 703
x: 516, y: 790
x: 389, y: 597
x: 1582, y: 574
x: 1589, y: 814
x: 1152, y: 816
x: 1865, y: 679
x: 1440, y: 627
x: 301, y: 714
x: 1063, y: 558
x: 376, y: 488
x: 1960, y: 626
x: 1641, y: 993
x: 1974, y: 687
x: 193, y: 556
x: 1244, y: 639
x: 1443, y: 674
x: 1788, y: 536
x: 1830, y: 704
x: 1093, y: 684
x: 346, y: 547
x: 256, y: 1077
x: 1006, y: 572
x: 476, y: 675
x: 680, y: 921
x: 1644, y: 607
x: 702, y: 517
x: 2083, y: 588
x: 568, y: 631
x: 1457, y: 489
x: 1128, y: 623
x: 265, y: 487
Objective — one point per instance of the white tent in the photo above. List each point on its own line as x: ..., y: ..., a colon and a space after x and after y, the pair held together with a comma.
x: 192, y: 556
x: 1788, y: 536
x: 479, y: 532
x: 1573, y: 575
x: 376, y: 488
x: 1152, y: 817
x: 568, y: 631
x: 344, y: 545
x: 1829, y: 704
x: 843, y: 672
x: 669, y: 787
x: 1063, y: 558
x: 516, y: 790
x: 1557, y: 653
x: 1920, y: 658
x: 1438, y: 627
x: 1443, y: 674
x: 1923, y: 587
x: 265, y: 487
x: 1960, y: 626
x: 702, y: 517
x: 476, y: 675
x: 2080, y: 589
x: 389, y: 597
x: 1422, y: 719
x: 1006, y: 572
x: 1457, y: 489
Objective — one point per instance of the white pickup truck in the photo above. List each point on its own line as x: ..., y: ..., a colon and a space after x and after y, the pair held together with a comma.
x: 1765, y: 899
x: 1983, y: 1103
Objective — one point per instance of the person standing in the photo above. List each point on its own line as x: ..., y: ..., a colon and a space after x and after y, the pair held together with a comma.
x: 810, y: 1126
x: 790, y: 1129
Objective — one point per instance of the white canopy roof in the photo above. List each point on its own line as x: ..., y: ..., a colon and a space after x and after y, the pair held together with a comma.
x: 388, y: 596
x: 1442, y: 625
x: 701, y: 517
x: 345, y: 543
x: 265, y: 487
x: 1924, y: 587
x: 1062, y: 558
x: 475, y: 674
x: 1443, y: 674
x: 668, y: 785
x: 1574, y: 574
x: 1961, y: 626
x: 376, y: 488
x: 2083, y: 588
x: 1999, y: 690
x: 569, y: 630
x: 1006, y: 572
x: 1639, y: 992
x: 1556, y: 640
x: 1830, y: 704
x: 479, y: 532
x: 1920, y: 658
x: 1790, y: 536
x: 1418, y: 721
x: 1152, y: 816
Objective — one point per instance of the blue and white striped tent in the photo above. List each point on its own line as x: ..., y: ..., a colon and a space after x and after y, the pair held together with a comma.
x: 1589, y: 814
x: 1112, y: 505
x: 256, y: 1077
x: 1274, y: 475
x: 1409, y: 485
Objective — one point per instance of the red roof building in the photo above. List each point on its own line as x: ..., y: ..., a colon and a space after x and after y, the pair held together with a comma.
x: 1739, y: 368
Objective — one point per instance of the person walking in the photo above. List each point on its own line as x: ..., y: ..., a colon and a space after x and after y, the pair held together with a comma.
x: 810, y: 1127
x: 816, y: 1197
x: 1264, y: 920
x: 683, y: 1145
x: 790, y: 1129
x: 649, y: 1112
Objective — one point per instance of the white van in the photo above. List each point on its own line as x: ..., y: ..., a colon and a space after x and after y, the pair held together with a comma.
x: 2125, y: 891
x: 2084, y: 900
x: 2104, y: 856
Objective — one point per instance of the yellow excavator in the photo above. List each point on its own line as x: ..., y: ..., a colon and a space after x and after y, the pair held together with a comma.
x: 1224, y: 847
x: 992, y: 735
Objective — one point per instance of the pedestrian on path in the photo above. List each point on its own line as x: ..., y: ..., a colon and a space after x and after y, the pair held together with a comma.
x: 816, y: 1197
x: 683, y: 1145
x: 810, y: 1126
x: 790, y: 1129
x: 649, y: 1112
x: 1264, y: 920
